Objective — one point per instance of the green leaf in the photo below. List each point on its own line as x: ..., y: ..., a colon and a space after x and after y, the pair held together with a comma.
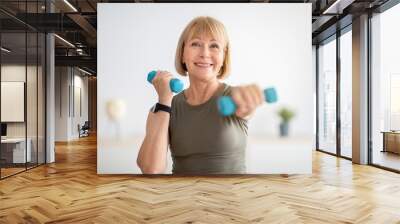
x: 286, y: 114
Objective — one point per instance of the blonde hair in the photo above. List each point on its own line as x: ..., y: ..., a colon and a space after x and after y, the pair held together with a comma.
x: 196, y: 27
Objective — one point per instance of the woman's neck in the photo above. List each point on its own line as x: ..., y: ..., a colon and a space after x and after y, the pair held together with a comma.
x: 200, y: 92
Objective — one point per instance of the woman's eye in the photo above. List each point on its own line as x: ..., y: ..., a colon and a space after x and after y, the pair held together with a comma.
x: 195, y: 44
x: 216, y: 46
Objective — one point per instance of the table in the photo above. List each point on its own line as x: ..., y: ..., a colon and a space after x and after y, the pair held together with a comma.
x: 391, y: 141
x: 15, y: 148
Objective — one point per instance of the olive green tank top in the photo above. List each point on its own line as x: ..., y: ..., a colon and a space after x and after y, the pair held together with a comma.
x: 204, y: 142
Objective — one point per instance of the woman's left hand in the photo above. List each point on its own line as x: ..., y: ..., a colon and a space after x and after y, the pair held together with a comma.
x: 247, y: 98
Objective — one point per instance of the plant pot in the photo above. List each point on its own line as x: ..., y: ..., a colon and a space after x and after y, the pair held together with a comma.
x: 284, y: 129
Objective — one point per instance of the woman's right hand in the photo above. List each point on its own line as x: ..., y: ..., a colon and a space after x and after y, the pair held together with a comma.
x: 161, y: 84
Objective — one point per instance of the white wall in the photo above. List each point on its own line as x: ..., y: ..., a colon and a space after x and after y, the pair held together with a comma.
x: 17, y: 73
x: 267, y: 48
x: 61, y: 103
x: 68, y: 82
x: 80, y: 105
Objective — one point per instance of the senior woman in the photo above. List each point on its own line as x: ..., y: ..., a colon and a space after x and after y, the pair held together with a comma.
x: 200, y: 139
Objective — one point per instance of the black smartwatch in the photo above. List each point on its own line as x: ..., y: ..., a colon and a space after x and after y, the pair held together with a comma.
x: 158, y: 106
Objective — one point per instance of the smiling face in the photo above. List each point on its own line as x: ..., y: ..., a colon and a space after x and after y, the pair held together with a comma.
x: 203, y: 57
x: 203, y: 50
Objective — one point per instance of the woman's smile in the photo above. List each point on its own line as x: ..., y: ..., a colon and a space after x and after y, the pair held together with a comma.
x: 203, y: 65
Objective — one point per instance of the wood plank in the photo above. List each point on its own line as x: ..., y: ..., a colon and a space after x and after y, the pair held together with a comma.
x: 70, y: 191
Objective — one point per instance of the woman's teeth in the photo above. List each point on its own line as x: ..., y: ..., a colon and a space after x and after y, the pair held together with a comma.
x: 203, y: 64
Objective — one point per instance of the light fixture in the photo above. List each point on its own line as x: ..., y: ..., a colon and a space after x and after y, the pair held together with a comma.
x: 5, y: 50
x: 84, y: 71
x: 70, y: 5
x: 338, y: 6
x: 64, y: 40
x: 79, y: 51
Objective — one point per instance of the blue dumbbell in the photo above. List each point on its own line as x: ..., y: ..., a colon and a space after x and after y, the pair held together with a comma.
x: 176, y: 85
x: 227, y: 107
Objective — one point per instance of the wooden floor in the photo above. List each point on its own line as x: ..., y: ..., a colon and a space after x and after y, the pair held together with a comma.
x: 70, y: 191
x: 387, y: 159
x: 5, y: 172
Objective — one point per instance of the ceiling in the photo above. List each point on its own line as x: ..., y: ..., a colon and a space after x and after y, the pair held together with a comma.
x: 76, y: 22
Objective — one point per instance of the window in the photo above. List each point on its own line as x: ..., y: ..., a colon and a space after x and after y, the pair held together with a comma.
x: 22, y: 66
x: 346, y: 75
x: 327, y: 96
x: 385, y: 89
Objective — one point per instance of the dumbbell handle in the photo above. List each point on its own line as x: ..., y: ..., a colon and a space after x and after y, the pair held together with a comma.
x: 175, y: 85
x: 227, y: 107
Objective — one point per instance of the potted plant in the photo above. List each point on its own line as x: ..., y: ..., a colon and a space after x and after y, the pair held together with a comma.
x: 286, y: 115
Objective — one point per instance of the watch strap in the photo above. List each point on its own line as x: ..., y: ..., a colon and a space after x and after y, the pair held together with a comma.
x: 161, y: 107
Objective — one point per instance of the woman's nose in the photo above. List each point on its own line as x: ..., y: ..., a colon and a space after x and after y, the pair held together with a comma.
x: 205, y: 52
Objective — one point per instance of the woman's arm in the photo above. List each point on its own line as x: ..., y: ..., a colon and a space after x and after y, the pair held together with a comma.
x: 152, y: 158
x: 153, y: 152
